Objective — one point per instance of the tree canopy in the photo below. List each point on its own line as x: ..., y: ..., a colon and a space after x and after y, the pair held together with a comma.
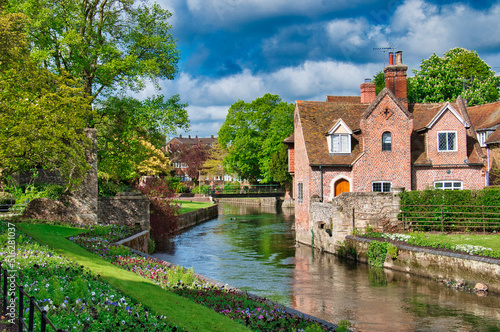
x: 108, y: 44
x: 193, y: 156
x: 42, y: 114
x: 458, y: 72
x: 252, y: 133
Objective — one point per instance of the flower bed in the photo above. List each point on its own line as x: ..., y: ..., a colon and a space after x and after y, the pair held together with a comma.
x: 75, y: 299
x: 257, y: 314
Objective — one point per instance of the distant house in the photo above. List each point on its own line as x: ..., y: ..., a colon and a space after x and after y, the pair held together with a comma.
x: 180, y: 166
x: 378, y: 142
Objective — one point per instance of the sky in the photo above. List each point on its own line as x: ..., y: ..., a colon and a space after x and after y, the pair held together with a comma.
x: 306, y: 49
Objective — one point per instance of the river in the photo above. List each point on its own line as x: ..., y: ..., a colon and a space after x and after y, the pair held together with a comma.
x: 253, y: 249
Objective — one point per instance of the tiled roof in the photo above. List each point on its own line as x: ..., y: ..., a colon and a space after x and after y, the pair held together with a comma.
x: 495, y: 137
x: 485, y: 116
x: 193, y: 140
x: 317, y: 118
x: 290, y: 139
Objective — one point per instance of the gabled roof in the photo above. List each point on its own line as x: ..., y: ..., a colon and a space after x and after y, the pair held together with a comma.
x: 485, y: 116
x: 317, y: 118
x: 290, y: 139
x: 340, y: 123
x: 378, y: 99
x: 447, y: 107
x: 494, y: 138
x: 193, y: 140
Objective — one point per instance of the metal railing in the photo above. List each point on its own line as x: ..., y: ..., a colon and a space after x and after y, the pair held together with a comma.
x: 44, y: 320
x: 443, y: 218
x: 450, y: 217
x: 246, y: 189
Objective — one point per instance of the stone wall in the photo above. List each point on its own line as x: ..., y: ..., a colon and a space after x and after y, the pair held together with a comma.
x: 264, y: 201
x: 330, y: 223
x: 125, y: 209
x: 193, y: 218
x: 138, y: 241
x: 436, y: 264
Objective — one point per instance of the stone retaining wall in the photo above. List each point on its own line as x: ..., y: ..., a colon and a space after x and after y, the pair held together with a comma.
x: 138, y: 242
x: 437, y: 264
x: 193, y: 218
x: 125, y: 209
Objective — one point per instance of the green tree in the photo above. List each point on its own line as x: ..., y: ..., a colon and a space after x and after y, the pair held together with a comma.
x: 252, y: 133
x: 379, y: 80
x: 42, y: 114
x: 458, y: 72
x: 214, y: 165
x: 108, y: 44
x: 279, y: 166
x: 124, y: 123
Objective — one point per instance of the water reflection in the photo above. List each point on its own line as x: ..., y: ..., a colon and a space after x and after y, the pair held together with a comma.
x: 256, y: 252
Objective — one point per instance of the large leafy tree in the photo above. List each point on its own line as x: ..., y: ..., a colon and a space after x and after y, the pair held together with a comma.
x: 459, y: 72
x: 252, y: 133
x: 42, y: 114
x: 124, y: 124
x: 214, y: 165
x: 108, y: 44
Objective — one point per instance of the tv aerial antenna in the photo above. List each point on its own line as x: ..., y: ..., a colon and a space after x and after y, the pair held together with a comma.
x: 385, y: 50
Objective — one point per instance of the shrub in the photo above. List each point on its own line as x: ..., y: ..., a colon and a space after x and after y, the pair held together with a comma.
x: 164, y: 211
x: 377, y: 251
x: 346, y: 250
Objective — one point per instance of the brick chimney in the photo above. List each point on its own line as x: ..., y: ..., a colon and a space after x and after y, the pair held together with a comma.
x: 395, y: 76
x: 368, y: 91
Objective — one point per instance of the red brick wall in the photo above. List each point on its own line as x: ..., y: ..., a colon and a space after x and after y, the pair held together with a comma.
x: 302, y: 175
x: 447, y: 122
x: 472, y: 177
x: 291, y: 159
x: 378, y: 165
x: 329, y: 175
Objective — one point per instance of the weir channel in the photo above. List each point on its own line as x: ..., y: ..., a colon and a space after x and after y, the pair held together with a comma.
x: 253, y: 248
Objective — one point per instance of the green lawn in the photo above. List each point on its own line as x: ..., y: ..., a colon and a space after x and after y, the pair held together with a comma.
x: 487, y: 241
x: 180, y: 311
x: 188, y: 206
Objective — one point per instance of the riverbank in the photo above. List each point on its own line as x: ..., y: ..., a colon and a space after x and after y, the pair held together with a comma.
x: 453, y: 268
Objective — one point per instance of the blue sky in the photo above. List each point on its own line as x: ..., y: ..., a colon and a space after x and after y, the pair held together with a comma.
x: 304, y: 50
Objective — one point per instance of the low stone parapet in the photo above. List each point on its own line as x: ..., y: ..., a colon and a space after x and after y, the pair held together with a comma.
x: 139, y: 241
x: 125, y: 209
x: 437, y: 264
x: 193, y: 218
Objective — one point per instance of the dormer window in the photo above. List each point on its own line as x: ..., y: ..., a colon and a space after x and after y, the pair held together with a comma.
x: 341, y: 143
x: 339, y: 138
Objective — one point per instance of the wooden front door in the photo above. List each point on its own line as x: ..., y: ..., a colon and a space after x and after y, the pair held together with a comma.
x: 341, y: 186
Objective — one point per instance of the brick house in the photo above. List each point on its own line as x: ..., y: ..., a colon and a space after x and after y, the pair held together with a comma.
x: 378, y: 142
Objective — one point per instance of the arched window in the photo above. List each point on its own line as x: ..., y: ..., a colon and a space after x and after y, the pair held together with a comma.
x: 386, y: 141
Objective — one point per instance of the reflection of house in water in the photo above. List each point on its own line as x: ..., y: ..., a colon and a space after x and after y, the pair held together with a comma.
x: 382, y: 300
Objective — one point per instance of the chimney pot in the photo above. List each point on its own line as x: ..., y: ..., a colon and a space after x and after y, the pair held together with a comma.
x: 368, y: 91
x: 368, y: 80
x: 180, y: 136
x: 399, y: 57
x: 189, y: 136
x: 391, y: 58
x: 196, y: 136
x: 212, y: 136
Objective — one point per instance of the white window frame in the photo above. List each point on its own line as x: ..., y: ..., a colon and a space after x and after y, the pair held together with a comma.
x: 455, y: 147
x: 482, y: 136
x: 345, y: 146
x: 382, y: 185
x: 452, y: 185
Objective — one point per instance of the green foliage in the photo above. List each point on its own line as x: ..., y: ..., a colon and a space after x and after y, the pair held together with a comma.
x: 204, y: 188
x: 252, y: 133
x: 376, y: 277
x: 124, y: 124
x: 379, y: 80
x: 377, y: 252
x: 343, y: 326
x: 279, y: 166
x: 151, y: 246
x: 346, y: 250
x: 181, y: 188
x: 314, y: 328
x: 426, y: 208
x: 109, y: 188
x: 459, y: 72
x: 392, y: 251
x: 110, y: 45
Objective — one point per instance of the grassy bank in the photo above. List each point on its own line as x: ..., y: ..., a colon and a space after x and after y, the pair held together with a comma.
x: 178, y: 310
x: 188, y: 206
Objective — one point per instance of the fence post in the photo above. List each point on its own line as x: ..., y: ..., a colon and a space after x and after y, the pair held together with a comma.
x: 4, y: 289
x: 43, y: 323
x: 31, y: 315
x: 353, y: 221
x: 442, y: 221
x: 484, y: 224
x: 21, y: 308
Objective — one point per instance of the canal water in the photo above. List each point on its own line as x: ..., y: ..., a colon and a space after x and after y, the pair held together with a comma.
x: 253, y: 248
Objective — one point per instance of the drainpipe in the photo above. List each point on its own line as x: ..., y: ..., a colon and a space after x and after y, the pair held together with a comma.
x: 321, y: 184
